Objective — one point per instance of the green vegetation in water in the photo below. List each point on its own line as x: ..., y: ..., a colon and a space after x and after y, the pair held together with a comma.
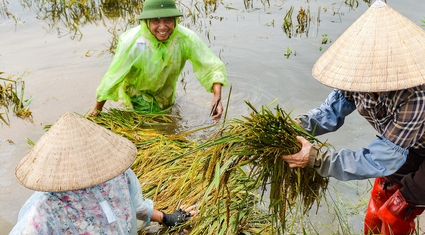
x: 288, y: 52
x: 12, y: 99
x: 66, y: 17
x: 325, y: 39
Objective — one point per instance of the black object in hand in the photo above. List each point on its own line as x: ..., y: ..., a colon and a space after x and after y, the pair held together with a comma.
x: 176, y: 218
x: 214, y: 107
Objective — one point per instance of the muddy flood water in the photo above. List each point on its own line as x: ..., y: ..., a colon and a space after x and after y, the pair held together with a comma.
x: 61, y: 55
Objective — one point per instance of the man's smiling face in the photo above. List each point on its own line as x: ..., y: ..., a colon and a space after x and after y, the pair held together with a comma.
x: 162, y: 28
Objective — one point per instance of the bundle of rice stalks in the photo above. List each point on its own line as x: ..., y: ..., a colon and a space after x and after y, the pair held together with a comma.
x: 172, y: 181
x: 180, y: 181
x: 233, y: 211
x: 256, y: 144
x: 228, y: 175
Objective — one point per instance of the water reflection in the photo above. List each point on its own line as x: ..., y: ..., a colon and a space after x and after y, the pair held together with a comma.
x: 4, y: 11
x: 304, y: 20
x: 67, y: 18
x: 353, y: 4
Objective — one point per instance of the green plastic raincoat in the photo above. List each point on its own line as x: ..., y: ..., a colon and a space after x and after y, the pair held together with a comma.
x: 146, y: 68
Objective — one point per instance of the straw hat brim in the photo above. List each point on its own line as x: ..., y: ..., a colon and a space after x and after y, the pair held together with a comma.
x: 75, y: 153
x: 381, y: 51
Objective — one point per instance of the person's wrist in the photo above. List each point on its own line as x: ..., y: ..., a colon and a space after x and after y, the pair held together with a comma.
x: 312, y: 155
x: 161, y: 217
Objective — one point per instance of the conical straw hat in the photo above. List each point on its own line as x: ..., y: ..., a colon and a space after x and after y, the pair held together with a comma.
x: 381, y: 51
x: 75, y: 153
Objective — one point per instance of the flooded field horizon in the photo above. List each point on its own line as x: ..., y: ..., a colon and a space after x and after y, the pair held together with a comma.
x: 269, y: 48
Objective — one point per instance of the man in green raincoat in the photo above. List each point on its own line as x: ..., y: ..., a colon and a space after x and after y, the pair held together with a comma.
x: 149, y: 59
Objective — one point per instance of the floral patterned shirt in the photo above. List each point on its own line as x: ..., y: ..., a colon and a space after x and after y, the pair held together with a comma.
x: 109, y: 208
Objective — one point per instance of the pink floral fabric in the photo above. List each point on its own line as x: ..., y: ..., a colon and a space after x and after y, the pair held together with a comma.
x: 109, y: 208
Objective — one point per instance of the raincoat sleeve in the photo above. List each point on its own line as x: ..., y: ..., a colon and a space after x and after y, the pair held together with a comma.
x: 144, y: 207
x: 329, y: 117
x: 208, y: 68
x: 113, y: 85
x: 382, y: 158
x: 26, y: 213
